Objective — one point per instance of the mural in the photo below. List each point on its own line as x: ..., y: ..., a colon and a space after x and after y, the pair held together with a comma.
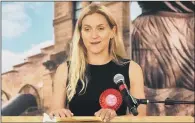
x: 163, y: 44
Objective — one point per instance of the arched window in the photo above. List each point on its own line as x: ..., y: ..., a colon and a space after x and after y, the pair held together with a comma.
x: 4, y: 96
x: 30, y: 89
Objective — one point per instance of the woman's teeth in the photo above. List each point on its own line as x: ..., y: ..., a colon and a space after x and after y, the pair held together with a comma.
x: 95, y: 42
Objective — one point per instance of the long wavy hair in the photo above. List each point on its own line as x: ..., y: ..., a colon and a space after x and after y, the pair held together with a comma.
x: 78, y: 52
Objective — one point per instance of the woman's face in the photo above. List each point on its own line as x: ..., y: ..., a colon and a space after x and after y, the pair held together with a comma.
x: 96, y: 33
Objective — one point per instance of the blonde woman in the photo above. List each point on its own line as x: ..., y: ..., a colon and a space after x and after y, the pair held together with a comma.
x: 97, y: 55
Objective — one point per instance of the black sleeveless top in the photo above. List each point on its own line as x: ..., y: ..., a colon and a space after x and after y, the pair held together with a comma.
x: 100, y: 79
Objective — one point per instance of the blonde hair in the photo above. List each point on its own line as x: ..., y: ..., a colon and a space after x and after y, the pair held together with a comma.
x: 78, y: 56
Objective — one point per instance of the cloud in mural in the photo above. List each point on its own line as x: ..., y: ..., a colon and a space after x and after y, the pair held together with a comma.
x: 15, y: 20
x: 135, y: 10
x: 10, y: 58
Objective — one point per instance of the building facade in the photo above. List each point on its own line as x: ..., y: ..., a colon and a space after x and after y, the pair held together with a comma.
x: 36, y: 74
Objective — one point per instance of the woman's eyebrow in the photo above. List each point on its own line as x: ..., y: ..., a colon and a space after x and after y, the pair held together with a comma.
x: 86, y: 25
x: 101, y: 24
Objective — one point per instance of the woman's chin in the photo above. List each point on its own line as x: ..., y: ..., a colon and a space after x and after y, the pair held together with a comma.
x: 95, y: 51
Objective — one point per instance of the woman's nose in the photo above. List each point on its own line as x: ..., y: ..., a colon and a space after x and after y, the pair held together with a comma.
x: 94, y: 34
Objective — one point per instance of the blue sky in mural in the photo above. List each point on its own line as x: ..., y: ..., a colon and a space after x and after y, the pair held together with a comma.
x: 27, y: 27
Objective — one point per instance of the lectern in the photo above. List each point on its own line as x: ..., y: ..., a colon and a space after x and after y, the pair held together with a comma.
x: 129, y: 119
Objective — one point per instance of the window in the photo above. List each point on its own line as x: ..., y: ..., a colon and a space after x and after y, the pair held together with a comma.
x: 77, y: 6
x: 77, y: 10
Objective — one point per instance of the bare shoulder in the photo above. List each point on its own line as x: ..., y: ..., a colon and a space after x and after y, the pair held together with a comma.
x: 62, y: 67
x: 61, y: 74
x: 135, y: 73
x: 134, y: 66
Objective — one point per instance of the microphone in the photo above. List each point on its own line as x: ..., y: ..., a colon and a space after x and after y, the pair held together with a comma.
x: 131, y: 102
x: 167, y: 101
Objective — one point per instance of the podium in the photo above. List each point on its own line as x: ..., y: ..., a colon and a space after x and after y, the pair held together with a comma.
x: 129, y: 119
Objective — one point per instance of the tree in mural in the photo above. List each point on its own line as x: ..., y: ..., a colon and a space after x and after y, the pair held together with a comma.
x: 163, y: 44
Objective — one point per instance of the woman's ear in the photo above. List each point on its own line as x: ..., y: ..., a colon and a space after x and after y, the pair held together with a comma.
x: 113, y: 32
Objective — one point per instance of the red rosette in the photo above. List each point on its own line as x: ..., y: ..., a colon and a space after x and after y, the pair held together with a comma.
x: 111, y: 98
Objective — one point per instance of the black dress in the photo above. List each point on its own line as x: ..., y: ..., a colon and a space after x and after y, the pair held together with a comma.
x: 100, y: 79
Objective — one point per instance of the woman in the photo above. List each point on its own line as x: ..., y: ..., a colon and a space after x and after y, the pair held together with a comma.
x: 97, y: 55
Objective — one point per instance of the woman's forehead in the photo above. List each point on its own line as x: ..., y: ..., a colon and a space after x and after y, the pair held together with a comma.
x: 94, y: 20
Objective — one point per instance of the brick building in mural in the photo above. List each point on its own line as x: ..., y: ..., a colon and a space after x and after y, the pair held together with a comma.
x: 36, y: 74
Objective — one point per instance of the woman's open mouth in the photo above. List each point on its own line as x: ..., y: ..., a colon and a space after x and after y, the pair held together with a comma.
x: 95, y: 42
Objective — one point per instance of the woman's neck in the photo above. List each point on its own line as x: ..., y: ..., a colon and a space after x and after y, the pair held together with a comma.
x: 98, y: 59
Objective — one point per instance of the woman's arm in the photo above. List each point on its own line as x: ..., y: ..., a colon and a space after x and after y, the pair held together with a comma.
x: 59, y: 94
x: 137, y: 85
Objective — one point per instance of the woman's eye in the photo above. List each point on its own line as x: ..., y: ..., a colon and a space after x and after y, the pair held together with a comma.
x: 86, y: 29
x: 101, y: 28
